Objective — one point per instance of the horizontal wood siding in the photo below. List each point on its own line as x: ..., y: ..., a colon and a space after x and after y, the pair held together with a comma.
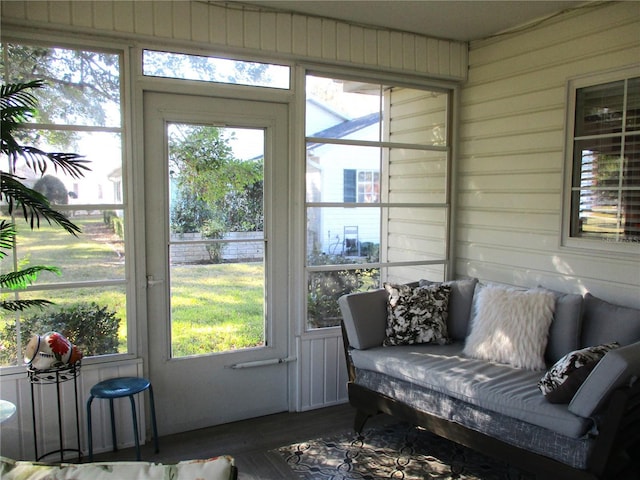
x: 250, y: 29
x: 511, y: 153
x: 16, y: 440
x: 417, y: 176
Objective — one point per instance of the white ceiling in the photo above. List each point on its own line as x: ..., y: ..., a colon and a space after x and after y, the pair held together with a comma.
x: 451, y: 19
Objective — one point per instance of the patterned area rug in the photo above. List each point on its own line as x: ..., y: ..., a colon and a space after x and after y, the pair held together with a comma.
x: 398, y: 451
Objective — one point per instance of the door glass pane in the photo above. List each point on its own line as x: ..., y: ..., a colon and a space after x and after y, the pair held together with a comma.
x: 216, y: 255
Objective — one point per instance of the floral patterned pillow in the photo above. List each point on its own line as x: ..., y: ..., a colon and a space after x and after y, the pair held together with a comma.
x: 563, y: 380
x: 417, y: 314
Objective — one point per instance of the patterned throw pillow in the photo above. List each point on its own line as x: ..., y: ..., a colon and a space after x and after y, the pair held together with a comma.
x: 563, y: 380
x: 417, y: 314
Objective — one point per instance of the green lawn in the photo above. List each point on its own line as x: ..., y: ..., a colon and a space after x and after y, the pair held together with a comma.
x: 214, y: 307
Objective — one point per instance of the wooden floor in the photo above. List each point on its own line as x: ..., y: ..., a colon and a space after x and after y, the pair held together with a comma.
x: 250, y: 441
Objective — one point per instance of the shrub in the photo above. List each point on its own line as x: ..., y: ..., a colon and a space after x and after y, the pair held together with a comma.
x: 117, y: 224
x: 213, y: 229
x: 326, y: 287
x: 92, y: 328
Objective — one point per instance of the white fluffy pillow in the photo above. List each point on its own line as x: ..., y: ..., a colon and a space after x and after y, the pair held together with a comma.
x: 511, y: 326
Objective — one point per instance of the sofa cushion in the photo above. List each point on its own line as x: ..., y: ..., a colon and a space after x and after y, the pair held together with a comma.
x: 499, y: 388
x: 564, y: 333
x: 563, y: 380
x: 417, y: 314
x: 604, y: 322
x: 460, y: 301
x: 617, y: 368
x: 511, y: 326
x: 218, y: 468
x: 365, y: 317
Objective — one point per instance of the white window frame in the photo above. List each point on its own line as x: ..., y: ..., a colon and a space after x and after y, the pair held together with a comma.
x: 597, y: 244
x: 305, y: 329
x: 123, y: 50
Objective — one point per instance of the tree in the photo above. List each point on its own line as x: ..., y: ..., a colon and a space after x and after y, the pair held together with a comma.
x: 207, y: 174
x: 18, y: 105
x: 53, y: 188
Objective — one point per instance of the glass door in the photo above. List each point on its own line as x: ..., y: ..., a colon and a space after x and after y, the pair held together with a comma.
x: 216, y: 258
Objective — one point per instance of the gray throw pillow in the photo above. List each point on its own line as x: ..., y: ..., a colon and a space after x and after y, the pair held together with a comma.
x: 604, y: 322
x: 417, y: 314
x: 562, y: 381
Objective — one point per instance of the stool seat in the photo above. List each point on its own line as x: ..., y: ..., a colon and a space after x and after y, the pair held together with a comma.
x: 119, y: 387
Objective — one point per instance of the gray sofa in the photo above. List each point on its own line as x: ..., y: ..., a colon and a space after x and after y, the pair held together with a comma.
x: 494, y: 407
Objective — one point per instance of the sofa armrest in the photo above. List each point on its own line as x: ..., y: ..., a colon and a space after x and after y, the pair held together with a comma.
x: 365, y: 317
x: 617, y: 368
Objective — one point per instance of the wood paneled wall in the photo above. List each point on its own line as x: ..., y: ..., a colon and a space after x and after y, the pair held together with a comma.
x: 247, y: 30
x: 17, y: 440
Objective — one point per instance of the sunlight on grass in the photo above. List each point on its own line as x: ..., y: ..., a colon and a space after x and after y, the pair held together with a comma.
x: 216, y: 308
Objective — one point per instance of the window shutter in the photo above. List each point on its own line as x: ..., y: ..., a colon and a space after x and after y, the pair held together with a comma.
x: 349, y: 185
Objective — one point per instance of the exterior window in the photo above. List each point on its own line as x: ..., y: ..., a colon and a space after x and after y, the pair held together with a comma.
x: 78, y: 111
x: 376, y: 189
x: 361, y: 186
x: 605, y: 181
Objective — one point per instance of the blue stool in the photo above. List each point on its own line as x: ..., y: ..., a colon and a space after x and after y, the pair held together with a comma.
x: 117, y: 388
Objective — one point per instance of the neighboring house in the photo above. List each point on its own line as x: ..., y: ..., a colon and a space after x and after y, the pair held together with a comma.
x: 348, y: 175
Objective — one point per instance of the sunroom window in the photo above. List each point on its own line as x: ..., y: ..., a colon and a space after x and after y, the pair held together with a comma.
x: 605, y: 182
x: 79, y: 111
x: 214, y: 69
x: 377, y: 197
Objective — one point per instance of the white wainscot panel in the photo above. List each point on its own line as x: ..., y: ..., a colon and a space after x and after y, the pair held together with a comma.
x: 323, y: 371
x: 17, y: 438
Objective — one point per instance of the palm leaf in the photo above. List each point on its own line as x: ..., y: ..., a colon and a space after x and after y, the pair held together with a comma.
x: 20, y: 305
x: 7, y: 236
x: 33, y: 204
x: 23, y: 278
x: 72, y: 164
x: 18, y: 106
x: 18, y: 95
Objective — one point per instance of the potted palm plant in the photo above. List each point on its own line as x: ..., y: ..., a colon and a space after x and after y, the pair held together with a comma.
x: 18, y: 105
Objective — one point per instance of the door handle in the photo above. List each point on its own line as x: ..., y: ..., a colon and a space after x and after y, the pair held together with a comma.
x: 261, y: 363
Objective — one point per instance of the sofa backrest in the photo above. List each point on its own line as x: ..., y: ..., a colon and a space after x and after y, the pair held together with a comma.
x: 564, y: 333
x: 604, y: 322
x: 365, y: 317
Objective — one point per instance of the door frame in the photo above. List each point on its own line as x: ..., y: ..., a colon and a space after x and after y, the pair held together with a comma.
x: 170, y: 88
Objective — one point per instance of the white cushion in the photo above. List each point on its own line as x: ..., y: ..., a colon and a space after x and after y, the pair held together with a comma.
x: 511, y: 326
x: 218, y: 468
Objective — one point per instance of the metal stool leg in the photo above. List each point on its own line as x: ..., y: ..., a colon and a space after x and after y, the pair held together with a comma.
x: 113, y: 426
x: 90, y: 433
x: 135, y: 426
x: 153, y: 419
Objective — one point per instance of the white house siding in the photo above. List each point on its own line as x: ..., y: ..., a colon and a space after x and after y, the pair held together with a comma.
x: 511, y: 153
x: 417, y: 177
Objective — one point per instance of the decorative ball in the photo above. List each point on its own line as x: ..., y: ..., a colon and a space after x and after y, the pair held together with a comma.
x: 51, y: 350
